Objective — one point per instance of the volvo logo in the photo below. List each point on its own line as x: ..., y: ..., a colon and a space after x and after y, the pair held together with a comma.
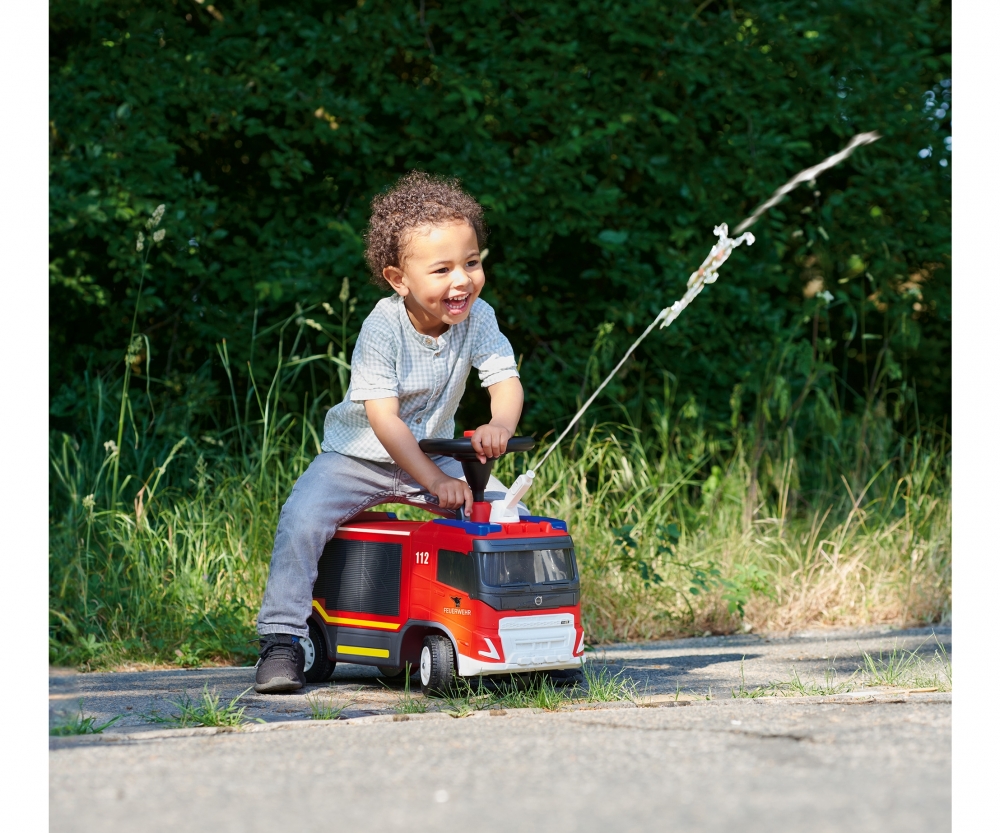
x: 538, y: 600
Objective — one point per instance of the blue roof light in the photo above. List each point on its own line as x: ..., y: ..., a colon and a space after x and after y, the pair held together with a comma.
x: 471, y: 527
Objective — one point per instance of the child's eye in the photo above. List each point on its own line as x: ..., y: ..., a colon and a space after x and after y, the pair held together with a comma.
x: 472, y: 263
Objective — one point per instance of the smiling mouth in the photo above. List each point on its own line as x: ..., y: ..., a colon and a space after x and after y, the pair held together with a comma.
x: 457, y: 305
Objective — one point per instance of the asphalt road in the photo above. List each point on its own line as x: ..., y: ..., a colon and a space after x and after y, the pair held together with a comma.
x: 875, y: 759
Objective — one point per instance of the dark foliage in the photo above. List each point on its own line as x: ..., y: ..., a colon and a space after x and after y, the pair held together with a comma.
x: 605, y: 140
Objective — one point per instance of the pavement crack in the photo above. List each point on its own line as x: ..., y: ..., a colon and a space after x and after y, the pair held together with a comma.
x: 772, y: 735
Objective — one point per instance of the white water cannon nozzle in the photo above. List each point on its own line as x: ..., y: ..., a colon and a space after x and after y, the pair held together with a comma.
x: 504, y: 511
x: 519, y: 488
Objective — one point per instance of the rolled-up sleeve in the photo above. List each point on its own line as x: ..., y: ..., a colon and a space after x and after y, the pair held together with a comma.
x: 492, y: 354
x: 373, y: 363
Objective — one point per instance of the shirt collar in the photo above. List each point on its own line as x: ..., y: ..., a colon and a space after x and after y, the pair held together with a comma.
x: 425, y: 341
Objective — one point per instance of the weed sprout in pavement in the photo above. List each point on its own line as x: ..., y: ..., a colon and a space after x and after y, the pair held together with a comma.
x: 518, y: 692
x: 540, y: 693
x: 205, y: 711
x: 897, y: 668
x: 795, y: 686
x: 605, y: 687
x: 322, y: 708
x: 902, y: 668
x: 79, y: 724
x: 408, y: 704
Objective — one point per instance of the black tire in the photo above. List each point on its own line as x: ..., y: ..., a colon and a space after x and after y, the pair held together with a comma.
x: 394, y: 674
x: 321, y: 668
x: 437, y: 665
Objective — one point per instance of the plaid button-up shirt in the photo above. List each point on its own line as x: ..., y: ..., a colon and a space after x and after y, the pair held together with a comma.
x: 426, y: 374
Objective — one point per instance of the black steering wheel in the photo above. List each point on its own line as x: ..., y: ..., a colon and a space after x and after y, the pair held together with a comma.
x: 461, y: 448
x: 477, y: 474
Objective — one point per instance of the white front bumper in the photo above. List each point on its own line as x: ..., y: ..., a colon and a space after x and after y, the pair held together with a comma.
x: 530, y: 643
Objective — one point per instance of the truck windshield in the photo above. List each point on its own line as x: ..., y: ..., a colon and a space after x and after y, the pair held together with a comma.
x: 503, y: 569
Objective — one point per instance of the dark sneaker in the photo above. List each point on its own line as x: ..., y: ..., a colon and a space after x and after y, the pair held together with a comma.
x: 281, y: 664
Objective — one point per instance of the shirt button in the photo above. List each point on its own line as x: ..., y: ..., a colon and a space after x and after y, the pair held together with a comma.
x: 419, y: 420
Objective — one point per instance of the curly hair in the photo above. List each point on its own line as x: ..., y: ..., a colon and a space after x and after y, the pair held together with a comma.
x: 417, y: 199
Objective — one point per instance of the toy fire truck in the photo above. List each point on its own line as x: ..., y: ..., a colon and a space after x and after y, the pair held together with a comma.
x: 496, y: 593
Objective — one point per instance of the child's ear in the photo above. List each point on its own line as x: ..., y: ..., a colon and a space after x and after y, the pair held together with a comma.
x: 394, y: 275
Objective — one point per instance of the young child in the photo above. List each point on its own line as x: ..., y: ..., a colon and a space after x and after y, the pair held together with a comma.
x: 408, y: 373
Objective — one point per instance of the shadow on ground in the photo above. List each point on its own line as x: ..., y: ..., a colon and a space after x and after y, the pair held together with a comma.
x: 695, y: 668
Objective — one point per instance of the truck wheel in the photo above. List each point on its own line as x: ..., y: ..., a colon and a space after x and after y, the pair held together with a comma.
x: 437, y: 665
x: 319, y: 667
x: 394, y: 674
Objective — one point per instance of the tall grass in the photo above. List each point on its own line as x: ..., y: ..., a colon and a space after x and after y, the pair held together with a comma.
x: 666, y: 550
x: 161, y: 533
x: 174, y: 568
x: 175, y: 573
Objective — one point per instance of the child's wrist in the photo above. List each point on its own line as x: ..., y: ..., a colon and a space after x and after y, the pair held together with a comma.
x: 436, y: 481
x: 496, y: 423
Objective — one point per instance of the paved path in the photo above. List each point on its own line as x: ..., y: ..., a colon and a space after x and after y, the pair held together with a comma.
x: 873, y: 759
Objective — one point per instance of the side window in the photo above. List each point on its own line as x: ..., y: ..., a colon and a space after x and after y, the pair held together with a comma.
x: 456, y: 569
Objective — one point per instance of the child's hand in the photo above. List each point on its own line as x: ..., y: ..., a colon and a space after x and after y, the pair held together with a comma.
x: 452, y: 493
x: 490, y: 441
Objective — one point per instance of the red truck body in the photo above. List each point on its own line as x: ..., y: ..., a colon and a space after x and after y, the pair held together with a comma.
x: 506, y: 596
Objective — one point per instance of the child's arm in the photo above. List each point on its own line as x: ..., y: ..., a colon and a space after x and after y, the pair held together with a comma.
x: 506, y: 399
x: 398, y: 440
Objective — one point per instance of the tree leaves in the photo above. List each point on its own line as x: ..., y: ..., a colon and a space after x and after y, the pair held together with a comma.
x: 606, y: 140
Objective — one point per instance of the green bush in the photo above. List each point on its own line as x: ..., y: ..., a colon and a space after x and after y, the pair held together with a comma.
x: 605, y: 139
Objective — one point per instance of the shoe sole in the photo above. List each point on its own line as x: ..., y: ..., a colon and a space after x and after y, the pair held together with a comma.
x: 276, y: 685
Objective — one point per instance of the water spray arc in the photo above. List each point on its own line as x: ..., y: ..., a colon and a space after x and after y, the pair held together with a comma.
x: 705, y: 274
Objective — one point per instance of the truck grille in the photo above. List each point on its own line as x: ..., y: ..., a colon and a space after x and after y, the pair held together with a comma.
x: 537, y: 640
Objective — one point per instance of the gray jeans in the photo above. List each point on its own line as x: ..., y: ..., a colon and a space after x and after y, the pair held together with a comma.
x: 334, y: 488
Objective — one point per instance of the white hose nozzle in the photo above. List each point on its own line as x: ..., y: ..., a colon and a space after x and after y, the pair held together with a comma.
x: 505, y: 509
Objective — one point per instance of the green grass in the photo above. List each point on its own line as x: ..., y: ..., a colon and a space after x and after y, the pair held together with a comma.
x: 797, y: 687
x: 79, y: 724
x: 322, y: 708
x: 407, y: 703
x: 207, y: 710
x: 458, y: 705
x: 160, y: 542
x: 901, y: 668
x: 537, y: 691
x: 897, y: 668
x: 876, y: 550
x: 530, y: 691
x: 534, y: 690
x: 832, y: 684
x: 601, y: 686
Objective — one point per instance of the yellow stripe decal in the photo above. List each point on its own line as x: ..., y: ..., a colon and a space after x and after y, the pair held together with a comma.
x: 362, y: 652
x: 363, y: 623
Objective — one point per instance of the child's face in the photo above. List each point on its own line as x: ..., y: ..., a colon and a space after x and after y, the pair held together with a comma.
x: 440, y: 276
